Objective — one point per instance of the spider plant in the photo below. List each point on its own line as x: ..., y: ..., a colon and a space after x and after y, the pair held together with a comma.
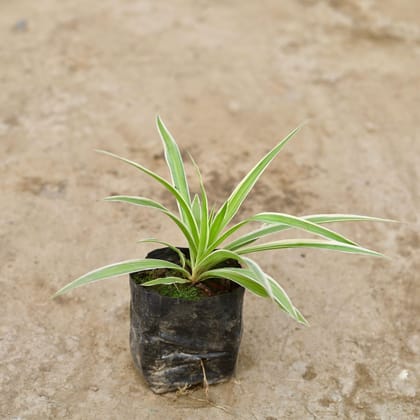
x: 208, y: 232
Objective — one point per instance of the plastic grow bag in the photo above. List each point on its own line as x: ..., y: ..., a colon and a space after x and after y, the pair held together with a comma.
x: 174, y: 342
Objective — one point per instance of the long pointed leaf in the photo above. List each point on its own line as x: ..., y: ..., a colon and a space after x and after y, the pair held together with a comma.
x: 174, y: 161
x: 196, y: 208
x: 186, y: 213
x: 260, y: 275
x: 146, y: 202
x: 316, y: 218
x: 300, y: 223
x: 282, y: 298
x: 215, y: 258
x: 168, y: 245
x: 219, y: 240
x: 238, y: 278
x: 330, y: 218
x: 138, y: 201
x: 273, y: 289
x: 204, y: 215
x: 308, y: 243
x: 217, y: 222
x: 165, y: 280
x: 245, y: 186
x: 246, y: 279
x: 300, y: 318
x: 118, y: 269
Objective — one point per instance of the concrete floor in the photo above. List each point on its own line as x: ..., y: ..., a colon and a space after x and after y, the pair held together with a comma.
x: 230, y: 78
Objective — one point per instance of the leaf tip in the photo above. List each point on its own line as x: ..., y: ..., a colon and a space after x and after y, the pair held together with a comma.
x: 57, y: 293
x: 159, y: 121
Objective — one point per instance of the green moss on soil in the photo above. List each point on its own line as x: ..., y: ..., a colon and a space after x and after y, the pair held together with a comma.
x: 181, y: 291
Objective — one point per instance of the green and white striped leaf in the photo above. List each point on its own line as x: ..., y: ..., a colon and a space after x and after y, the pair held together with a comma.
x: 300, y: 318
x: 174, y: 161
x: 274, y: 290
x: 316, y: 218
x: 259, y: 275
x: 165, y: 280
x: 238, y: 278
x: 300, y: 223
x: 118, y: 269
x: 217, y: 223
x: 196, y: 209
x: 308, y: 243
x: 281, y: 297
x: 249, y: 281
x: 229, y: 232
x: 204, y: 215
x: 138, y: 201
x: 168, y: 245
x: 145, y: 202
x: 330, y: 218
x: 240, y: 193
x: 186, y: 213
x: 214, y: 258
